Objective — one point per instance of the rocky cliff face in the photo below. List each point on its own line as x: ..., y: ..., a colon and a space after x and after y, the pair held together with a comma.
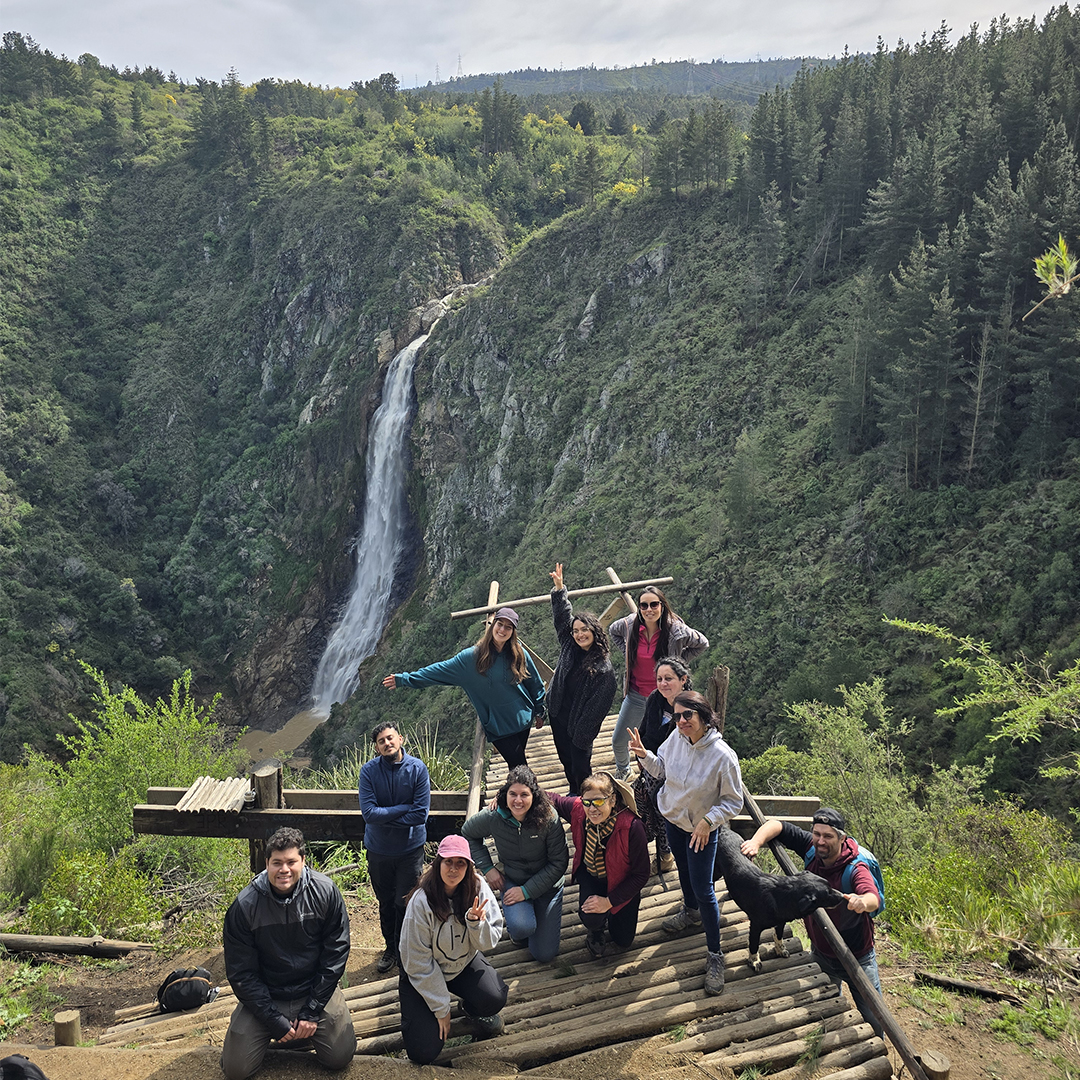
x: 515, y: 394
x: 322, y: 339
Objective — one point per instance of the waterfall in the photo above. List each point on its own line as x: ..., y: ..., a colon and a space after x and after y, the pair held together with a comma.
x: 378, y: 547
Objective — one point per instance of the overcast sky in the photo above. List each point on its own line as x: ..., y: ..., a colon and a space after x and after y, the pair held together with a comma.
x: 334, y: 42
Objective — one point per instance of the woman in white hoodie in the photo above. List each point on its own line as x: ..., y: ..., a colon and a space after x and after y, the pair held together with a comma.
x: 451, y: 916
x: 702, y: 792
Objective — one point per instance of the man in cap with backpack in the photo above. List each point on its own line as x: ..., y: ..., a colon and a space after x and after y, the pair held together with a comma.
x: 830, y: 853
x: 286, y: 944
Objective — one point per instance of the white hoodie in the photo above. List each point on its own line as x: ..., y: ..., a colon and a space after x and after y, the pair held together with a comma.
x: 432, y: 951
x: 701, y: 780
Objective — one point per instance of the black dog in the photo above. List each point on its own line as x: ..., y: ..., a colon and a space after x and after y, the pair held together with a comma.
x: 768, y: 900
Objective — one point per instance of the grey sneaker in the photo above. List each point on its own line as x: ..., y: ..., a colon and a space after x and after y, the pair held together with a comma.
x: 682, y: 919
x: 624, y: 774
x: 494, y: 1025
x: 714, y: 973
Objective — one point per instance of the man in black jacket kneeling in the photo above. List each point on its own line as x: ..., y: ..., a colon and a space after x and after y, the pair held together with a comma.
x: 286, y: 944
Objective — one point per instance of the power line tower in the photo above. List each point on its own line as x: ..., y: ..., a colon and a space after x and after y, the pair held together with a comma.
x: 690, y: 77
x: 436, y: 73
x: 460, y: 73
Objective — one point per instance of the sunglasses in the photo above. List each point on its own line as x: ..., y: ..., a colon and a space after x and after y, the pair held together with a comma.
x: 685, y: 714
x: 597, y: 803
x: 648, y: 605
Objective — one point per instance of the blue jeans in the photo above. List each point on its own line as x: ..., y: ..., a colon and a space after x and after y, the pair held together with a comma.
x: 835, y: 970
x: 696, y: 880
x: 537, y: 921
x: 631, y: 713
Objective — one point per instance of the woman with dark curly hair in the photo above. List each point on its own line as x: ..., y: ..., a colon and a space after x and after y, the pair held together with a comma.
x: 653, y: 632
x: 583, y: 686
x: 531, y: 845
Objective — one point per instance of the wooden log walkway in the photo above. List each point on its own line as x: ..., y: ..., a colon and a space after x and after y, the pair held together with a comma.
x: 652, y: 993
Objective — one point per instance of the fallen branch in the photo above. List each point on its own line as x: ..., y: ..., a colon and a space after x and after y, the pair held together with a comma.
x: 77, y: 946
x: 967, y: 987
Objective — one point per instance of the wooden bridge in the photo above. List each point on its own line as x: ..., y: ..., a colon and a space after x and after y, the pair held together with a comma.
x: 789, y: 1020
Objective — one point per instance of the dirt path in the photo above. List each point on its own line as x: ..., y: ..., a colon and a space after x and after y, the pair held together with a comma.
x: 955, y: 1025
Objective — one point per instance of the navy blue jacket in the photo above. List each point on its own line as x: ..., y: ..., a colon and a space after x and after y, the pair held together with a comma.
x: 286, y: 947
x: 395, y: 798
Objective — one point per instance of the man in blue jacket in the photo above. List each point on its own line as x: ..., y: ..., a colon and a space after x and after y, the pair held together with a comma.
x: 286, y: 945
x: 395, y: 797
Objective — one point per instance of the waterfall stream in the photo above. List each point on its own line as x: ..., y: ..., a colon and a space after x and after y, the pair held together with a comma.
x: 379, y: 545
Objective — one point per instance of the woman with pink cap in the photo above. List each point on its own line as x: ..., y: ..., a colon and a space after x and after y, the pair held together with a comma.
x: 501, y: 681
x: 451, y: 916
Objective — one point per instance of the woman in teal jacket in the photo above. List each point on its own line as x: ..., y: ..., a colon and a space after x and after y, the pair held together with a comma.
x: 501, y: 681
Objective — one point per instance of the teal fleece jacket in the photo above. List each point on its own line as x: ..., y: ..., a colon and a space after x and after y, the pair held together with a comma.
x: 533, y: 857
x: 504, y: 707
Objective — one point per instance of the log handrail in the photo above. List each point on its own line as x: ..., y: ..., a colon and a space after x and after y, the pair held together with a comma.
x: 532, y: 601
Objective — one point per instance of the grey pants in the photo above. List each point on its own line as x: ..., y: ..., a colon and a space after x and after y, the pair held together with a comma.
x: 247, y: 1040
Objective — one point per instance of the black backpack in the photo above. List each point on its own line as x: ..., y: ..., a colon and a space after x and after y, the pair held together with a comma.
x: 18, y: 1067
x: 186, y: 988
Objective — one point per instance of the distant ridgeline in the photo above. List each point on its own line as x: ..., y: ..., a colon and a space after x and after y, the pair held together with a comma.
x: 724, y: 80
x: 783, y: 361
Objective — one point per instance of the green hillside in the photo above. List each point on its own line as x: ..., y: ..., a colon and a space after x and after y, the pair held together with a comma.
x: 787, y: 365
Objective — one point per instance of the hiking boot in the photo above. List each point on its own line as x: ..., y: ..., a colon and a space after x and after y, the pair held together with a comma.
x: 490, y: 1026
x: 714, y: 973
x: 386, y: 961
x: 594, y: 942
x: 663, y: 864
x: 683, y: 919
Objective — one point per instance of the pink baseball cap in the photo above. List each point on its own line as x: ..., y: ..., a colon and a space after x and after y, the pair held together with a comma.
x: 455, y: 847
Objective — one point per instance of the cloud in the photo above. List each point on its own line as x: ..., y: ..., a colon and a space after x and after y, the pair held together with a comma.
x: 335, y: 42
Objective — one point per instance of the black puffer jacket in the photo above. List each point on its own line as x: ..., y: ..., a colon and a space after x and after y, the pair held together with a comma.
x: 585, y: 713
x: 657, y: 723
x: 286, y: 948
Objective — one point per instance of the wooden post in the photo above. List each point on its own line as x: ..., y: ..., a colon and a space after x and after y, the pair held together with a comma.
x: 266, y: 782
x: 476, y: 773
x: 612, y: 608
x: 716, y: 691
x: 874, y: 1001
x: 936, y: 1066
x: 67, y: 1028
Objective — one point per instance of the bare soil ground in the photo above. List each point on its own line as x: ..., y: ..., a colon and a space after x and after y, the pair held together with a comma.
x: 955, y: 1025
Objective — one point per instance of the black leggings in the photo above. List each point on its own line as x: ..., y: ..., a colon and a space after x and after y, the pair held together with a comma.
x: 482, y: 993
x: 512, y: 747
x: 621, y: 924
x: 576, y: 763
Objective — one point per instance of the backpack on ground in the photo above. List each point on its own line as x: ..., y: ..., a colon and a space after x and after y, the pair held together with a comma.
x: 869, y: 860
x: 186, y: 988
x: 17, y: 1067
